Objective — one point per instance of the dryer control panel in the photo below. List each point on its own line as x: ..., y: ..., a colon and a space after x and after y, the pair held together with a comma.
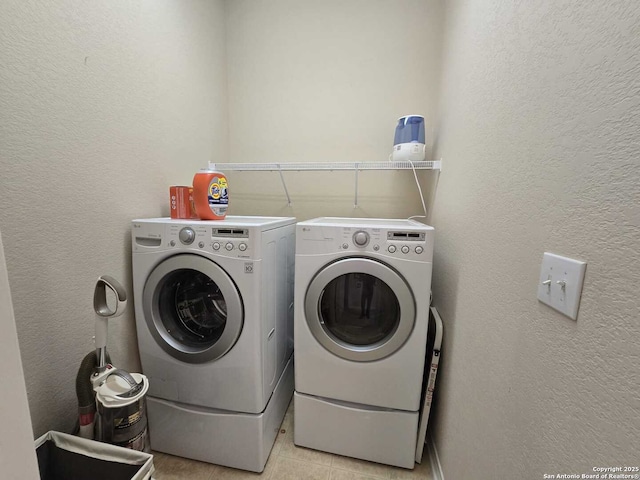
x: 414, y: 244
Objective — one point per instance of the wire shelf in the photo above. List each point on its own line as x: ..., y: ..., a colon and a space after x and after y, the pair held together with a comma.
x: 324, y: 166
x: 327, y: 166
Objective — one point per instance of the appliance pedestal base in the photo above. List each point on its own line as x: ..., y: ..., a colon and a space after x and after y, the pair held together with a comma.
x: 232, y: 439
x: 353, y: 430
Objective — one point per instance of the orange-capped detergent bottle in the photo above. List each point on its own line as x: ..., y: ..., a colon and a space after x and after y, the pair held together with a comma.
x: 210, y: 195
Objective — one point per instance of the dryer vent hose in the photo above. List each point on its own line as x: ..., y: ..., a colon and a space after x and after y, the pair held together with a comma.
x: 84, y: 388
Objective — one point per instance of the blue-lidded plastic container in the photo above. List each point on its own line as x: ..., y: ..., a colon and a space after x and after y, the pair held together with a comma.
x: 410, y: 129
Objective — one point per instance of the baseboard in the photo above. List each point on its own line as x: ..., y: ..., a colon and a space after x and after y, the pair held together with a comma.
x: 434, y: 460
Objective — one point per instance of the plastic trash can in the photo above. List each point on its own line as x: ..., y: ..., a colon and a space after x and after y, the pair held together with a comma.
x: 65, y: 457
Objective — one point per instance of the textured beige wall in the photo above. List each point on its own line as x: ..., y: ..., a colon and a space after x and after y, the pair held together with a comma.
x: 325, y: 82
x: 17, y: 455
x: 103, y: 105
x: 540, y: 139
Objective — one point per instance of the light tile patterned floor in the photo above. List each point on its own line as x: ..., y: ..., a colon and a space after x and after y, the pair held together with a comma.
x: 289, y: 462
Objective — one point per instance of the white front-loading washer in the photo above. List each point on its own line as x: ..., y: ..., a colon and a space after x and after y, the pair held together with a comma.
x: 214, y: 318
x: 361, y: 319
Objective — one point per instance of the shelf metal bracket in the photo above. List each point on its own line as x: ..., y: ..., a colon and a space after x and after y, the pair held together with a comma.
x: 355, y: 201
x: 284, y: 185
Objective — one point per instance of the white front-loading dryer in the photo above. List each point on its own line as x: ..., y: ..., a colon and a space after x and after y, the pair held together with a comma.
x: 362, y: 309
x: 214, y: 318
x: 361, y: 320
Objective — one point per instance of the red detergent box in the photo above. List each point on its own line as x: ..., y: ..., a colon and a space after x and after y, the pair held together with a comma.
x: 181, y: 198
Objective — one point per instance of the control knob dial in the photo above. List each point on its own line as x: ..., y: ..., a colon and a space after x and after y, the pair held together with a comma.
x: 187, y: 236
x: 361, y: 238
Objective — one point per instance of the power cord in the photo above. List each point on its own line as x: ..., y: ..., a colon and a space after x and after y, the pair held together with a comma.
x: 424, y: 208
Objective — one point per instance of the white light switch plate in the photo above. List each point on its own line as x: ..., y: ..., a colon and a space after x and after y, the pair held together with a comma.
x: 560, y: 283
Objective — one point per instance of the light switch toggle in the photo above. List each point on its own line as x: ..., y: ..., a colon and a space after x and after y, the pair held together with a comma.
x: 560, y: 284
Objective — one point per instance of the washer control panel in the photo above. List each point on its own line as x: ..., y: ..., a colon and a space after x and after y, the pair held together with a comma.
x: 230, y: 242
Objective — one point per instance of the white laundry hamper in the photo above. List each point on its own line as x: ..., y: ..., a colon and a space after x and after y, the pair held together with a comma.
x: 66, y: 457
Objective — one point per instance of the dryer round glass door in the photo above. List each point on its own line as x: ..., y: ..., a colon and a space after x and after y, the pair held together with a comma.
x: 192, y: 308
x: 360, y: 309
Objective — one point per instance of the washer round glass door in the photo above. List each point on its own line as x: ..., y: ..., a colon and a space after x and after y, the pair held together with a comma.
x: 192, y: 308
x: 360, y: 309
